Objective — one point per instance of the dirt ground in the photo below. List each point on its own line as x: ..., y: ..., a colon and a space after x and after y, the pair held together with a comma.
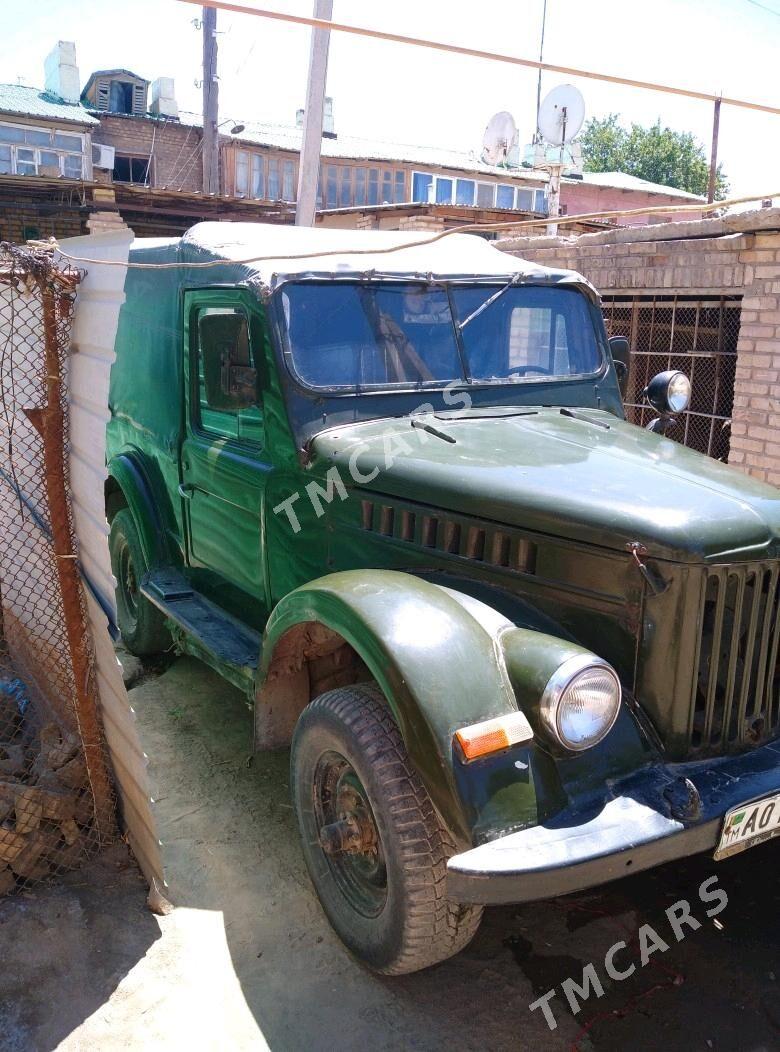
x: 248, y: 961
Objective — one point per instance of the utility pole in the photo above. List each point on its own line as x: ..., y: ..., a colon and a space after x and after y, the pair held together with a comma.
x: 714, y: 154
x: 210, y: 103
x: 309, y: 162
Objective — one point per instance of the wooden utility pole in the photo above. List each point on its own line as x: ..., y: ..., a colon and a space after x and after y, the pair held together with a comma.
x: 210, y: 103
x: 309, y: 165
x: 714, y: 154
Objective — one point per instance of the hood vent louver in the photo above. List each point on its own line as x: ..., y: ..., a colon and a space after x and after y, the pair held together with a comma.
x: 491, y: 545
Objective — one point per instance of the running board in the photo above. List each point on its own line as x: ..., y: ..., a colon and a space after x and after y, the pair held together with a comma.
x: 208, y: 631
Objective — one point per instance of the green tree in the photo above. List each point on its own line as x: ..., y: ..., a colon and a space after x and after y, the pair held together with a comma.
x: 658, y: 154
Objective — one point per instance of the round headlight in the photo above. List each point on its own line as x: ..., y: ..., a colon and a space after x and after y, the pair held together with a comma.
x: 669, y: 392
x: 581, y: 702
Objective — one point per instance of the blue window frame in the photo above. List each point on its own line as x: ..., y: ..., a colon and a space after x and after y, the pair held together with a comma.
x: 464, y: 192
x: 443, y: 191
x: 421, y: 184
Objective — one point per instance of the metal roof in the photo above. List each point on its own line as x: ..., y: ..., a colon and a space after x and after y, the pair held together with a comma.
x: 623, y: 181
x: 286, y: 137
x: 32, y: 102
x: 349, y: 147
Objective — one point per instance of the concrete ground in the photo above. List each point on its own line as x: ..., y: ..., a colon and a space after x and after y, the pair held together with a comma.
x: 248, y: 961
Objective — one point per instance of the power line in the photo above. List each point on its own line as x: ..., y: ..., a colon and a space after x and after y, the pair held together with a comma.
x: 457, y: 49
x: 763, y: 7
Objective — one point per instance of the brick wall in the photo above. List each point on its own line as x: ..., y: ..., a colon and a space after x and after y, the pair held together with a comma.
x: 734, y: 255
x: 21, y: 218
x: 175, y: 148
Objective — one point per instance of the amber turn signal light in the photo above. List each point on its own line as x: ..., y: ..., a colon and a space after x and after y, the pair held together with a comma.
x: 480, y: 739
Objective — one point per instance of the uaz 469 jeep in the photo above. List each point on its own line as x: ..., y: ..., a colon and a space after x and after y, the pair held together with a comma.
x: 520, y: 647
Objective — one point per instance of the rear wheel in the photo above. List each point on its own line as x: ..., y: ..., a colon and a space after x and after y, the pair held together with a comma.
x: 142, y: 625
x: 374, y: 845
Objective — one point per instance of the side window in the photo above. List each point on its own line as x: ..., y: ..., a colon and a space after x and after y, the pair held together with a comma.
x: 227, y: 397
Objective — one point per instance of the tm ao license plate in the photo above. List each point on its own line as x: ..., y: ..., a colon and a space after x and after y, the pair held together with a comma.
x: 749, y: 825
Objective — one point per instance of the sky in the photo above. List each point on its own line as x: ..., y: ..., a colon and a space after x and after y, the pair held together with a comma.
x: 401, y: 94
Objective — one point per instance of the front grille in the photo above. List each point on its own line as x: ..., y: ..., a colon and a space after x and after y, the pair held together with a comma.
x: 737, y: 678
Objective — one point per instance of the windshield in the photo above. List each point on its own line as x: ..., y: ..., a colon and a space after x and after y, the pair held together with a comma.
x: 357, y: 336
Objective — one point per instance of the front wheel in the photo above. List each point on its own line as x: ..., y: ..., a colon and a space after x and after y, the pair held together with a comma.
x: 374, y: 845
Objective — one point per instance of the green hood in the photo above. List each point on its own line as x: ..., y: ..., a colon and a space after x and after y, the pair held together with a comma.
x: 566, y: 476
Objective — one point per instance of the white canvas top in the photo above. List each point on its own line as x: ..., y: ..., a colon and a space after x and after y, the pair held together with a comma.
x: 356, y: 251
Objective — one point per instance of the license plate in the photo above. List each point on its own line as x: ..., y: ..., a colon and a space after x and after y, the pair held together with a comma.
x: 749, y: 825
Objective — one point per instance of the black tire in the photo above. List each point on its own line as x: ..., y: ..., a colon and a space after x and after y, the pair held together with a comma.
x: 142, y: 625
x: 390, y: 909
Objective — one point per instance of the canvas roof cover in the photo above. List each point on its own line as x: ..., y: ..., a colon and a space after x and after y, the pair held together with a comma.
x: 330, y: 252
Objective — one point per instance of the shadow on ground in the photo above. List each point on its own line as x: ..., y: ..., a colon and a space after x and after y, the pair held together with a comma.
x: 64, y: 949
x: 231, y: 845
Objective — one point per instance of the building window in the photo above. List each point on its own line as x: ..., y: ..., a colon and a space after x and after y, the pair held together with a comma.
x: 486, y: 195
x: 120, y: 97
x: 373, y: 186
x: 331, y: 186
x: 258, y: 176
x: 37, y: 151
x: 400, y: 187
x: 525, y: 200
x: 288, y: 180
x: 273, y: 179
x: 360, y: 186
x: 540, y: 201
x: 345, y: 187
x: 443, y: 191
x: 505, y: 196
x: 464, y: 192
x: 131, y: 170
x: 242, y: 173
x: 387, y: 187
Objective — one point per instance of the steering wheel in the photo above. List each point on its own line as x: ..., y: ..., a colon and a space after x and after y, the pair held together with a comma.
x: 524, y: 370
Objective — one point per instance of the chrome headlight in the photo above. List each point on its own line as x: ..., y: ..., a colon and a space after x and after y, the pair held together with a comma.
x: 669, y: 392
x: 581, y: 702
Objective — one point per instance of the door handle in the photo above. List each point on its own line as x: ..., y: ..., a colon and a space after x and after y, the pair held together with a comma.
x: 186, y: 490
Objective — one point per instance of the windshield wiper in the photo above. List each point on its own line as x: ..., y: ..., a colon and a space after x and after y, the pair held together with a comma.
x: 461, y: 325
x: 432, y: 430
x: 586, y: 419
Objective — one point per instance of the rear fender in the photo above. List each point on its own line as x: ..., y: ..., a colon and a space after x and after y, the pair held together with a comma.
x: 127, y: 472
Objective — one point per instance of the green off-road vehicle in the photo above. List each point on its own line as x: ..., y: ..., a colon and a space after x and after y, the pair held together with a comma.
x: 518, y: 645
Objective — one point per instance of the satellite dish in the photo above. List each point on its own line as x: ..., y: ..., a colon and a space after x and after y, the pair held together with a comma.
x: 499, y: 138
x: 561, y: 115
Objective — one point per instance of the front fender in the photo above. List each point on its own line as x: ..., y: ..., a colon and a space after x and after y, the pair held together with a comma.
x: 440, y: 658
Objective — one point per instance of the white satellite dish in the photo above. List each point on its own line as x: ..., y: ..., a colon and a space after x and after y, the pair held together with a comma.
x: 561, y: 115
x: 499, y: 138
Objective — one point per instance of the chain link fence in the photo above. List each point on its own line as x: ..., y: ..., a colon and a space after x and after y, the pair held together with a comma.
x: 57, y: 802
x: 699, y: 337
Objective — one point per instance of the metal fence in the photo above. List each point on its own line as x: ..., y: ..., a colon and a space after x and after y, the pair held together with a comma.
x: 56, y: 795
x: 699, y: 337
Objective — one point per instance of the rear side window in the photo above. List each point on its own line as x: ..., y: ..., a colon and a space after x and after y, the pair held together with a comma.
x: 226, y: 396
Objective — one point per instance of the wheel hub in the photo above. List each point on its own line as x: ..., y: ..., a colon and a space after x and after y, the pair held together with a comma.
x: 348, y: 834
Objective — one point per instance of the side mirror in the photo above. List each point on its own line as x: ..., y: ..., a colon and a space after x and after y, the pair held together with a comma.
x: 229, y: 378
x: 621, y: 355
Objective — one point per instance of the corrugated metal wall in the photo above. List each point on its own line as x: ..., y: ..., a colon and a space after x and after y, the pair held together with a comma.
x: 100, y: 296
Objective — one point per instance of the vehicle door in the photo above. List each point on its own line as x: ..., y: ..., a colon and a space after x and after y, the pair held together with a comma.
x: 224, y: 460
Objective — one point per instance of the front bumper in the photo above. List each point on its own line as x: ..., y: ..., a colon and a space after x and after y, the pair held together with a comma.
x: 635, y: 827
